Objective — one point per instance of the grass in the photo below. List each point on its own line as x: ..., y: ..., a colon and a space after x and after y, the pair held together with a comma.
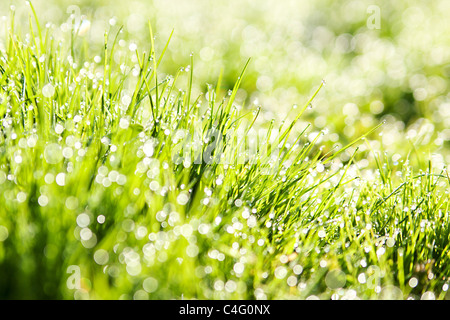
x: 119, y: 174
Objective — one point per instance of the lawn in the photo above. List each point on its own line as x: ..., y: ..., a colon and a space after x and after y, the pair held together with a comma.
x: 224, y: 150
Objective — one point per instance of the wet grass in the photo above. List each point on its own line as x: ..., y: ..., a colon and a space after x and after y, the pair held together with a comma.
x: 119, y: 174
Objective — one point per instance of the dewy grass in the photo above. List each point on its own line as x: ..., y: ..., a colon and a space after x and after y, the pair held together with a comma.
x: 118, y: 183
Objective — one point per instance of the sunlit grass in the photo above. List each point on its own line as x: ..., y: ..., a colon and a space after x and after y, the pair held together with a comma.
x: 93, y: 175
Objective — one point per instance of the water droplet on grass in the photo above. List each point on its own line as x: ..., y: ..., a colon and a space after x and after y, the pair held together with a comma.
x: 59, y: 128
x: 150, y: 284
x: 132, y: 47
x: 48, y: 91
x: 335, y: 279
x: 61, y: 179
x: 101, y: 257
x: 53, y: 153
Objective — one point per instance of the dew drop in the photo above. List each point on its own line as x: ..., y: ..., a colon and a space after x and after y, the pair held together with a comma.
x: 48, y: 90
